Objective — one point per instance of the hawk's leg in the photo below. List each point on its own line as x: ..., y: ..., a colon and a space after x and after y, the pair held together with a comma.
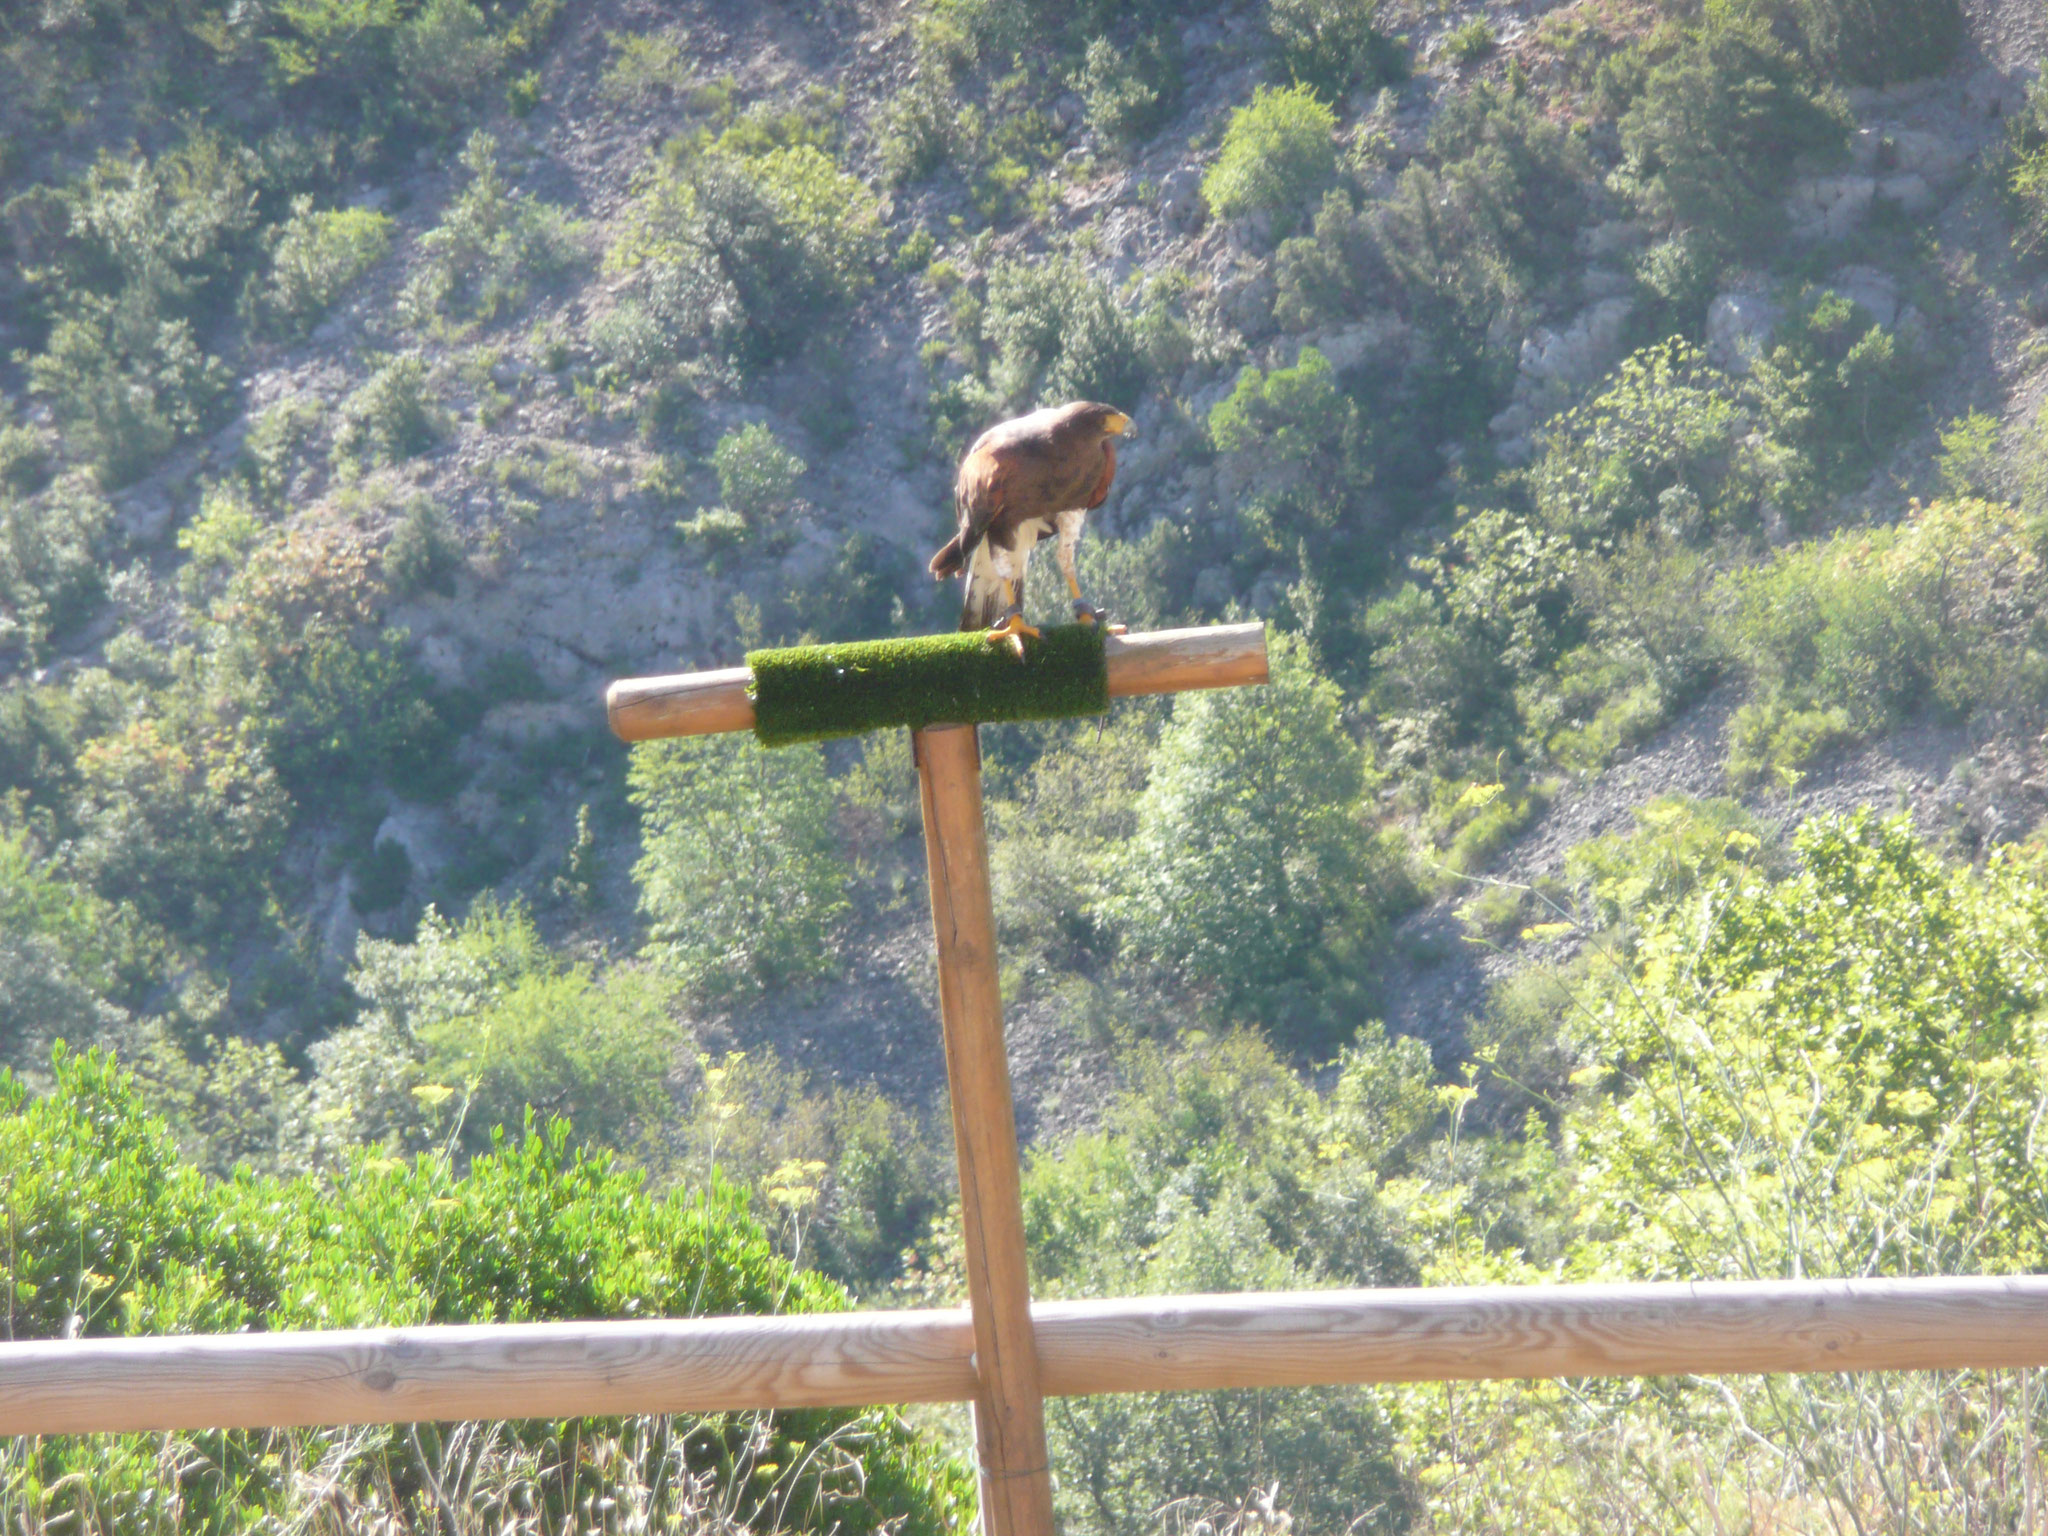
x: 1085, y: 612
x: 1011, y: 626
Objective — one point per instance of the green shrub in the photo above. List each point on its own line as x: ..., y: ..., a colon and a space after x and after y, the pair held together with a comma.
x: 184, y: 824
x: 1301, y: 443
x: 445, y: 59
x: 2026, y: 170
x: 317, y: 258
x: 1712, y: 139
x: 1333, y: 46
x: 1874, y: 42
x: 1476, y: 234
x: 424, y: 553
x: 1470, y: 43
x: 51, y: 567
x: 750, y: 252
x: 1856, y: 633
x: 126, y: 262
x: 1328, y: 274
x: 1218, y: 1170
x: 919, y: 128
x: 1128, y: 92
x: 1663, y: 442
x: 485, y: 1012
x: 1970, y: 462
x: 1252, y: 871
x: 1832, y: 392
x: 1058, y: 334
x: 643, y: 64
x: 24, y: 461
x: 757, y: 476
x: 1277, y: 152
x: 492, y: 246
x: 119, y: 1236
x: 740, y: 873
x: 390, y: 417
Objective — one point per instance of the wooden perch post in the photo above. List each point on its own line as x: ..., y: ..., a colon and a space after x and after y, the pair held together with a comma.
x: 1009, y: 1410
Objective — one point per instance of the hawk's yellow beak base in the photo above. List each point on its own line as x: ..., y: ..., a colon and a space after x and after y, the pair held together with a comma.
x: 815, y: 692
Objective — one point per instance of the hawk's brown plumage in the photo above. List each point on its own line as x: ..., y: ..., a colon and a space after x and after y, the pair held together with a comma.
x: 1023, y: 481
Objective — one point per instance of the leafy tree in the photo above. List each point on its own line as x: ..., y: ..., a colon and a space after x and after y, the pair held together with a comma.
x: 1302, y: 445
x: 317, y: 257
x: 1333, y: 46
x: 1252, y: 871
x: 51, y: 561
x: 1874, y: 42
x: 1831, y: 392
x: 491, y: 246
x: 183, y: 823
x: 1128, y: 92
x: 750, y: 251
x: 1668, y: 425
x: 1058, y: 334
x: 740, y: 876
x: 1277, y: 152
x: 1711, y: 141
x: 1225, y: 1172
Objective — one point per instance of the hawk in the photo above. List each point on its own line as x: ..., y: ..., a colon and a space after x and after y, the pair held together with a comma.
x: 1021, y: 481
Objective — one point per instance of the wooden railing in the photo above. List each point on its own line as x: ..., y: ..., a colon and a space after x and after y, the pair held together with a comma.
x: 1141, y: 1344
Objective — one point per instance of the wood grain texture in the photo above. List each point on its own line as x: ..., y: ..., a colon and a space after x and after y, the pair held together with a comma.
x: 1181, y: 660
x: 1134, y: 1344
x: 686, y: 704
x: 494, y: 1371
x: 1166, y: 661
x: 1009, y: 1414
x: 1468, y: 1334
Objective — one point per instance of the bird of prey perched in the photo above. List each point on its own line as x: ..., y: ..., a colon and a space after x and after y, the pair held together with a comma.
x: 1021, y: 481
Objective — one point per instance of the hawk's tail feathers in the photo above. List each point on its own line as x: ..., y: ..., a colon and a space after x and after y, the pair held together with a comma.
x: 950, y: 559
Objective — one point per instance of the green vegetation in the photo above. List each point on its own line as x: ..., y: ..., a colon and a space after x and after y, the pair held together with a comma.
x: 117, y: 1236
x: 2026, y: 175
x: 318, y: 256
x: 746, y: 244
x: 1333, y: 46
x: 1277, y: 153
x: 1713, y: 136
x: 741, y: 880
x: 491, y: 247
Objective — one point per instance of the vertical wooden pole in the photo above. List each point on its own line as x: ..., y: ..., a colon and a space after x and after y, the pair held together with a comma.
x: 1009, y: 1414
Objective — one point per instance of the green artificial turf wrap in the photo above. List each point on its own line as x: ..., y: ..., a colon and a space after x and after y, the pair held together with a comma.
x: 811, y: 692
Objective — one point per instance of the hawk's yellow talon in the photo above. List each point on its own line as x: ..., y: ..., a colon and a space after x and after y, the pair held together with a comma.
x: 1012, y: 627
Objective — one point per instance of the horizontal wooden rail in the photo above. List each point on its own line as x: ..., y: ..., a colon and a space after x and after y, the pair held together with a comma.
x: 1137, y: 1344
x: 1165, y: 661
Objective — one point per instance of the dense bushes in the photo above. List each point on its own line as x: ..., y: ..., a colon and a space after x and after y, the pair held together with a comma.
x: 51, y: 562
x: 2026, y: 172
x: 747, y: 248
x: 1874, y: 42
x: 316, y: 258
x: 114, y: 1235
x: 1712, y: 139
x: 1333, y: 45
x: 741, y: 877
x: 1276, y: 154
x: 1252, y: 872
x: 1850, y: 636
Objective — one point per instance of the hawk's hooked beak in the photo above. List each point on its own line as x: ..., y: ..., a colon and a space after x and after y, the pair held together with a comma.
x: 1121, y: 425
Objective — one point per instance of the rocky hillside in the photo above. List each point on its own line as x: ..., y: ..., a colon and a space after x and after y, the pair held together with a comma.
x: 462, y: 346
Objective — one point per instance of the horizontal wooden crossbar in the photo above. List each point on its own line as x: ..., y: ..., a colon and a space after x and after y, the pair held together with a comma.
x: 1137, y: 1344
x: 1164, y: 661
